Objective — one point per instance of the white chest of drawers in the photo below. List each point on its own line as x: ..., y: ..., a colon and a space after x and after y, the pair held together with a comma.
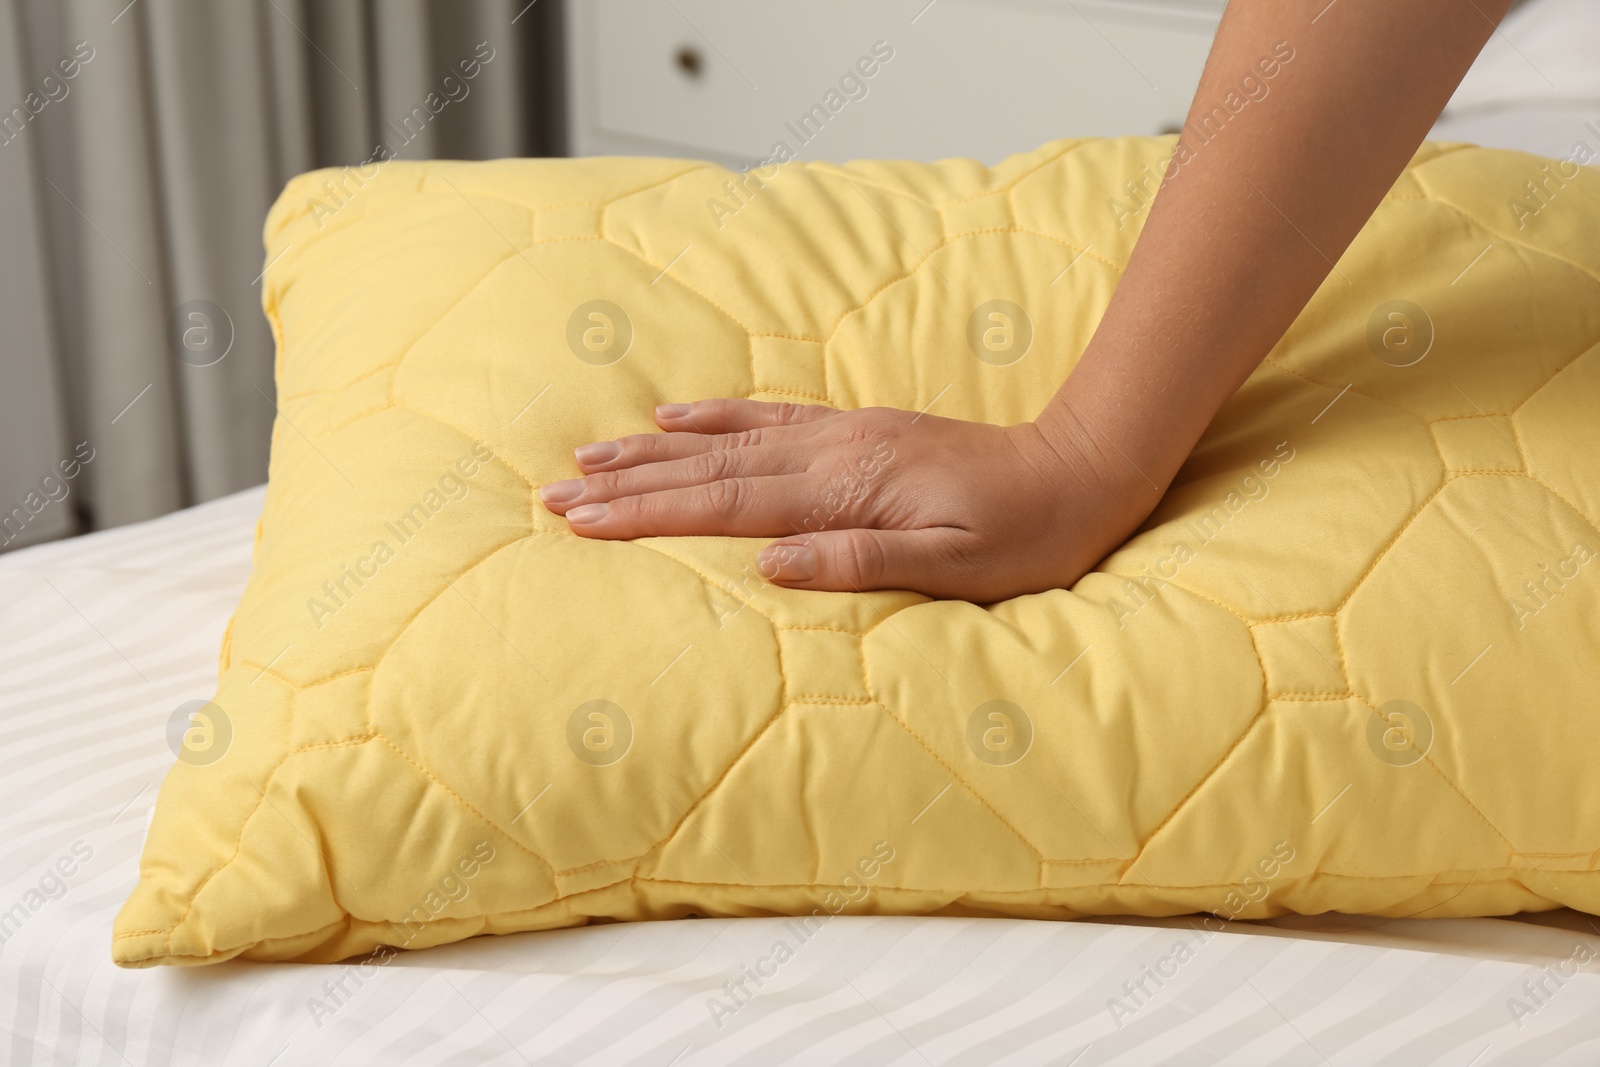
x: 727, y: 80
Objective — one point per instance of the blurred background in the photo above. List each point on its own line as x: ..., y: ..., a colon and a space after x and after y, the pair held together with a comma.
x: 141, y: 144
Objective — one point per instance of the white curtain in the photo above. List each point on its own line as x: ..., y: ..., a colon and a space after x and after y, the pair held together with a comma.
x: 140, y: 147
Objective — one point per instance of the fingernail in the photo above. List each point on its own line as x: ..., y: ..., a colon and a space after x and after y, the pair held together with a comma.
x: 599, y: 452
x: 560, y: 492
x: 672, y: 411
x: 586, y: 513
x: 789, y: 563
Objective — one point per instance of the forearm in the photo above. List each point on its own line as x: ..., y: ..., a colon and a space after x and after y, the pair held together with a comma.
x: 1247, y: 224
x: 1252, y: 217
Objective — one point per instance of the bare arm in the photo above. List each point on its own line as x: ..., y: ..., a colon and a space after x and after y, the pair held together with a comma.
x: 1250, y: 222
x: 1245, y: 227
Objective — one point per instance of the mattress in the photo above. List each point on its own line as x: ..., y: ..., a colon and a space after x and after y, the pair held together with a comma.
x: 104, y: 637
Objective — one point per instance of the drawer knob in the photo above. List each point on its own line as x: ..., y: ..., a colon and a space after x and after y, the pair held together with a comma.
x: 689, y: 61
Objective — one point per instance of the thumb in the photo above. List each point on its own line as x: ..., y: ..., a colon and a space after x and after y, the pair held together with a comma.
x: 853, y: 561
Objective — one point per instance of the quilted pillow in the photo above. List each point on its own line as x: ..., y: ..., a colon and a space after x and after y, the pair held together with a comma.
x: 1349, y: 663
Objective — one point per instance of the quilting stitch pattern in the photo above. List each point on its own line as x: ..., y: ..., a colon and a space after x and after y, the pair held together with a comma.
x: 1162, y: 765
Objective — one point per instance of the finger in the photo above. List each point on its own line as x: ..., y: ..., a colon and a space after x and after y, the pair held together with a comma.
x: 923, y: 560
x: 640, y: 448
x: 710, y: 466
x: 732, y: 507
x: 729, y: 415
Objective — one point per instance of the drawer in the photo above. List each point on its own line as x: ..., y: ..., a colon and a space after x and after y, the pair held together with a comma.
x: 973, y: 78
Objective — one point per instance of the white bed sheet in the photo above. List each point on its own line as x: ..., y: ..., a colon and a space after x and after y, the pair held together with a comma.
x: 1536, y: 86
x: 104, y: 636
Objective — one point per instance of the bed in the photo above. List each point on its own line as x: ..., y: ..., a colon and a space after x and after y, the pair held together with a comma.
x: 106, y: 635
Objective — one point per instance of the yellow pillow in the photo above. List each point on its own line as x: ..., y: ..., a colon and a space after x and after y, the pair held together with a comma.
x: 1350, y: 663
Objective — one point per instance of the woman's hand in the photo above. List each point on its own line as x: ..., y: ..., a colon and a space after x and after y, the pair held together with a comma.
x: 871, y: 499
x: 886, y: 499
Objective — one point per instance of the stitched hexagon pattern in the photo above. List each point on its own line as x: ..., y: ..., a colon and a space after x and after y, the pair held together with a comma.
x: 1349, y: 662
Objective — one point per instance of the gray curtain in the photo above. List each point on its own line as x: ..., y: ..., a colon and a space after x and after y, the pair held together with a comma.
x: 140, y: 147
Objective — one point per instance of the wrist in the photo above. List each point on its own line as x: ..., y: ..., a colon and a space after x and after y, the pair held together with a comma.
x: 1144, y: 427
x: 1092, y: 464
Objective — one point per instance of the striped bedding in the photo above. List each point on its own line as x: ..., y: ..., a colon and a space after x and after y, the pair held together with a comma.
x: 102, y: 637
